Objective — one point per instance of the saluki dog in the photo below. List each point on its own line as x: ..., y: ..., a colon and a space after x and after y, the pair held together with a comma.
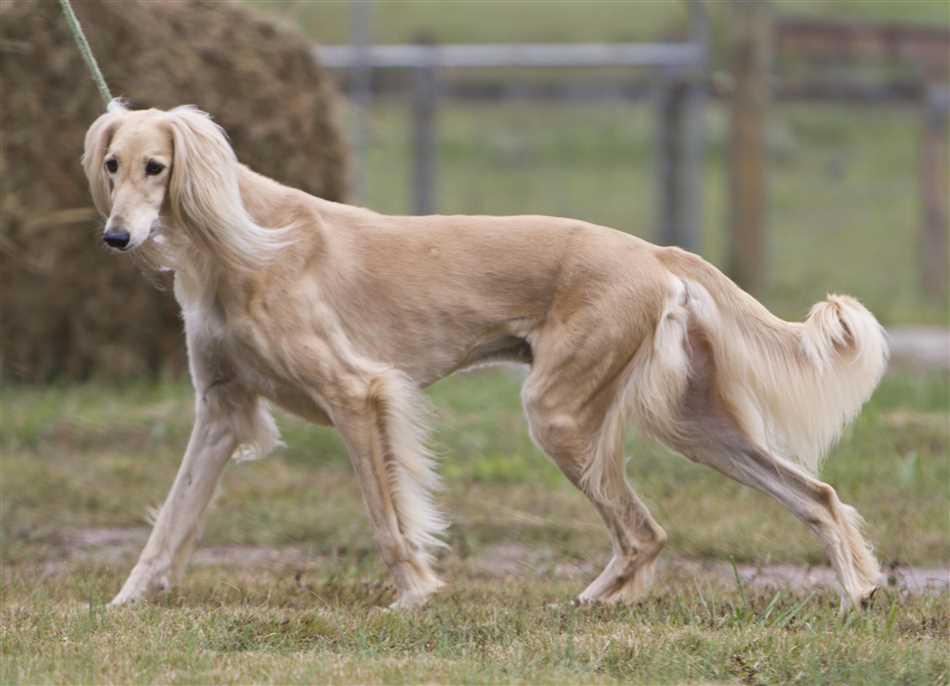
x: 342, y: 315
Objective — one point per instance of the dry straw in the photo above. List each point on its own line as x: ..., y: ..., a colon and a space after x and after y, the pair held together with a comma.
x: 68, y: 309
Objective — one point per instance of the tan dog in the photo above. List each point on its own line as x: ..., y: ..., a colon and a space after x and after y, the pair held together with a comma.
x: 341, y: 315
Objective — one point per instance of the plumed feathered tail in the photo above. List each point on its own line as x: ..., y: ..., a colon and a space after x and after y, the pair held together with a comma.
x: 793, y: 387
x: 846, y: 352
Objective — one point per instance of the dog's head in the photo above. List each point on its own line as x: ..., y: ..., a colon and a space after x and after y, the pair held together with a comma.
x: 154, y: 170
x: 128, y: 158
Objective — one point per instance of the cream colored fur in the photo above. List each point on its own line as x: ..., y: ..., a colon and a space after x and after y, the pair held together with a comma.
x: 341, y: 315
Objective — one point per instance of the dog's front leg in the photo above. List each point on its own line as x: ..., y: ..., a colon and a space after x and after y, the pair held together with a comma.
x: 179, y: 520
x: 381, y: 424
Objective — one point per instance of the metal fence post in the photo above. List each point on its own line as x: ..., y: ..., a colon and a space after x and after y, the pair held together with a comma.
x: 934, y: 186
x: 695, y: 147
x: 681, y: 138
x: 425, y: 133
x: 671, y: 121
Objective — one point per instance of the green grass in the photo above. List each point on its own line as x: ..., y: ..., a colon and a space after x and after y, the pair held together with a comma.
x: 843, y: 216
x: 95, y: 456
x: 270, y: 628
x: 572, y: 21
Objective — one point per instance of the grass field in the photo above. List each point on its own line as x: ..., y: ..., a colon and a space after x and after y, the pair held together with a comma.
x: 570, y: 21
x: 285, y: 587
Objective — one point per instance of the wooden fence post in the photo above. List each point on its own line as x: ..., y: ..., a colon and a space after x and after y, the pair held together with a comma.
x: 425, y: 134
x: 750, y: 56
x: 935, y: 188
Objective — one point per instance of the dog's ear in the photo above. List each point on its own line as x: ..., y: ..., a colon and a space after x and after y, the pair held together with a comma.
x: 204, y: 167
x: 97, y: 142
x: 204, y: 194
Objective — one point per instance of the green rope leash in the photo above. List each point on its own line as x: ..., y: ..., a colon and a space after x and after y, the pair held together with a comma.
x: 86, y: 51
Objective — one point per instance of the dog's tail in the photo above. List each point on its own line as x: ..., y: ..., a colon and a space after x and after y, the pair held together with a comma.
x: 791, y: 387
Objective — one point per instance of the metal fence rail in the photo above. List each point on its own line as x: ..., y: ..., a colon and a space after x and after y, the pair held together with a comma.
x: 476, y: 56
x: 679, y: 90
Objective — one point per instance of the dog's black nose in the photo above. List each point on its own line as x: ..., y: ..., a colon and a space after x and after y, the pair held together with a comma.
x: 116, y: 238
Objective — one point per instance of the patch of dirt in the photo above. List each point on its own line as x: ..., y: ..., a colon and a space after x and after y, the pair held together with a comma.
x: 80, y: 539
x: 938, y: 422
x: 513, y: 559
x: 922, y: 348
x: 914, y: 580
x: 254, y: 556
x: 120, y: 546
x: 114, y: 546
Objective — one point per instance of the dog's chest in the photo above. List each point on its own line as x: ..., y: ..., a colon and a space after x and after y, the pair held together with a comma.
x: 228, y: 347
x: 263, y: 358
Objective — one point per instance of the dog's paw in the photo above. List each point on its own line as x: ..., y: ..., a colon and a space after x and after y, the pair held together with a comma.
x: 410, y: 601
x: 862, y: 601
x: 123, y: 599
x: 141, y: 586
x: 868, y: 599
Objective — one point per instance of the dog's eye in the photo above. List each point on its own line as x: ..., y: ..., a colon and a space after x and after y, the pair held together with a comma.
x: 112, y: 165
x: 152, y: 168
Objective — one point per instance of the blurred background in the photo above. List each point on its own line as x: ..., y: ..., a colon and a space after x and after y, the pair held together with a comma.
x: 800, y: 145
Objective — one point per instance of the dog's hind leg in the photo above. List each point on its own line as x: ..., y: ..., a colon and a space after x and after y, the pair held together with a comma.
x: 708, y: 434
x: 572, y: 428
x: 723, y: 447
x: 637, y: 540
x: 812, y: 501
x: 380, y: 417
x: 220, y: 416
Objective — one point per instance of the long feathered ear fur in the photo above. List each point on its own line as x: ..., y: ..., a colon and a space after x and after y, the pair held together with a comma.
x: 205, y: 198
x: 97, y: 142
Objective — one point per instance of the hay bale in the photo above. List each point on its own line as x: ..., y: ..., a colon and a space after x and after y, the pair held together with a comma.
x: 68, y: 309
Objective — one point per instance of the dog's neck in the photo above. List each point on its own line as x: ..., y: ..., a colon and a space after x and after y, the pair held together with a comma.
x: 202, y: 277
x: 262, y: 196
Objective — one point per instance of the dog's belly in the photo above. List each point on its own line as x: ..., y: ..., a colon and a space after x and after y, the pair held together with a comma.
x: 506, y: 349
x: 435, y: 355
x: 301, y: 404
